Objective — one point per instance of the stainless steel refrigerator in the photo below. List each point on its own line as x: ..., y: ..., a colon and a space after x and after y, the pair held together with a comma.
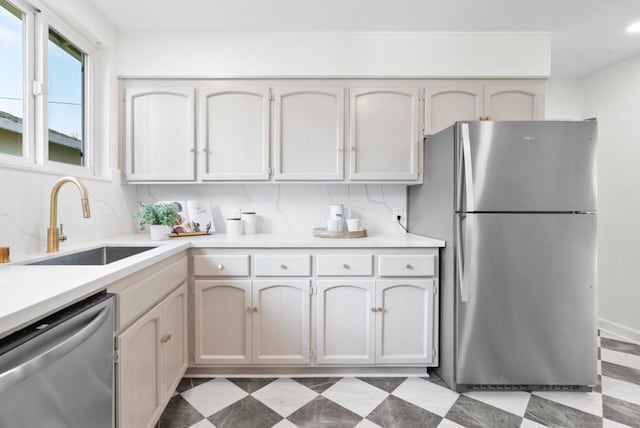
x: 516, y: 204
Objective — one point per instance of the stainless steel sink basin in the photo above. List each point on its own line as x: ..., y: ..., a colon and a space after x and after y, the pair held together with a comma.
x: 96, y: 256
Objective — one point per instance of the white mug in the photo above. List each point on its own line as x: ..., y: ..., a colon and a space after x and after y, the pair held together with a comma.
x: 333, y: 225
x: 354, y: 225
x: 234, y: 226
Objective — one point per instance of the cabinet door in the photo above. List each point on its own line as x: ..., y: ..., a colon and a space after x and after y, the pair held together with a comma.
x: 159, y: 134
x: 234, y: 134
x: 513, y: 102
x: 384, y: 134
x: 139, y: 399
x: 223, y: 322
x: 404, y: 321
x: 345, y: 322
x: 448, y: 102
x: 174, y: 340
x: 281, y: 322
x: 309, y: 133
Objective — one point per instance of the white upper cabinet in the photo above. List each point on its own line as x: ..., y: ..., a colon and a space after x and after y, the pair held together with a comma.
x: 309, y: 133
x: 234, y: 134
x: 159, y: 140
x: 513, y: 102
x: 384, y: 133
x: 449, y: 101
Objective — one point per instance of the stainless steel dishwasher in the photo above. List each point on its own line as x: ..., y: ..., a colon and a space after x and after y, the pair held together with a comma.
x: 58, y: 372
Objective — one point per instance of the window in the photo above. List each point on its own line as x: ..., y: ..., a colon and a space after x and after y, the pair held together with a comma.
x: 11, y: 79
x: 65, y: 103
x: 46, y: 92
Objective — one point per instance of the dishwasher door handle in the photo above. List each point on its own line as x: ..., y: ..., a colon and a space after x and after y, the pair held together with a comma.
x: 22, y: 371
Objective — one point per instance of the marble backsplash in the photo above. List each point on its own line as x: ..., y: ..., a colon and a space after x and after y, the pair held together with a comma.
x: 24, y: 210
x: 289, y: 208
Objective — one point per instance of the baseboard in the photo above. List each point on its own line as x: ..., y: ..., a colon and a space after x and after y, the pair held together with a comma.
x: 307, y: 372
x: 622, y: 331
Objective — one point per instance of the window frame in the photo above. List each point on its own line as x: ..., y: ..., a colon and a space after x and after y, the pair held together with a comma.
x: 35, y: 138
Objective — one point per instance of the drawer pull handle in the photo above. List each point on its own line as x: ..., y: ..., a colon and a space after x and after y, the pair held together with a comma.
x: 165, y: 338
x: 346, y: 266
x: 283, y: 266
x: 409, y: 266
x: 255, y: 309
x: 220, y: 267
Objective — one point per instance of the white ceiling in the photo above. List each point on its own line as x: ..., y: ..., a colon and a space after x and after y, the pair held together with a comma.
x: 587, y: 34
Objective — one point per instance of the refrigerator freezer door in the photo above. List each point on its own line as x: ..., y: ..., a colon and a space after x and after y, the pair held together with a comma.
x: 526, y: 166
x: 528, y: 315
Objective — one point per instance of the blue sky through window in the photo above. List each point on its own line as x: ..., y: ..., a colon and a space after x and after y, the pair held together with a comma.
x: 65, y: 79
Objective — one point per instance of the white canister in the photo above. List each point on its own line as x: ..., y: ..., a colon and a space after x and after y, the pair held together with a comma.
x: 249, y: 220
x: 234, y: 226
x: 336, y: 212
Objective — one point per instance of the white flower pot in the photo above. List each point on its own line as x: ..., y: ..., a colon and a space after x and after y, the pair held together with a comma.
x: 159, y: 232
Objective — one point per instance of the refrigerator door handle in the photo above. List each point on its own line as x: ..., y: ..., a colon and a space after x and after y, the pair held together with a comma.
x: 468, y: 168
x: 462, y: 262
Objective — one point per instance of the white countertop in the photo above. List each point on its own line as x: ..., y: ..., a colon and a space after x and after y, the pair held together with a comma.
x: 28, y: 293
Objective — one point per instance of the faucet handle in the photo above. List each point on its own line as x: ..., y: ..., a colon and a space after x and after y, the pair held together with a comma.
x: 61, y: 236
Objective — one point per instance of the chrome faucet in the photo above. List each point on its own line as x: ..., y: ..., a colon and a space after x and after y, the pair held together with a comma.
x: 55, y: 234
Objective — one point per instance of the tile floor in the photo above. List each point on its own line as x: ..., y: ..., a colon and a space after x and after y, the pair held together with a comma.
x: 407, y: 402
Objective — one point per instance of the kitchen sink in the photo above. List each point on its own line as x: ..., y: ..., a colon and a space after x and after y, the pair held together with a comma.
x: 95, y: 256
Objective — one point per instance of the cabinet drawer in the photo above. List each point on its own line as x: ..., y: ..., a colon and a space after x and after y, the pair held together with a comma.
x: 220, y: 265
x: 283, y: 265
x: 407, y: 265
x: 344, y: 265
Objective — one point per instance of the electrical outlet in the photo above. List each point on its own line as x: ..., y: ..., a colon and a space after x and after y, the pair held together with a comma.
x: 398, y: 215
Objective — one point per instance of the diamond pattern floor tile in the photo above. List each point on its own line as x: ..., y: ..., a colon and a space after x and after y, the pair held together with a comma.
x: 321, y: 412
x: 284, y: 396
x: 469, y: 412
x: 210, y: 397
x: 395, y: 412
x: 358, y: 396
x: 427, y: 395
x: 246, y: 413
x: 371, y: 402
x: 515, y: 402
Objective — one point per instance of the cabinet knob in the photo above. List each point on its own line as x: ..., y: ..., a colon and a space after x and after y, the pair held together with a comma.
x: 249, y: 309
x: 346, y: 266
x: 353, y: 148
x: 409, y: 266
x: 192, y: 150
x: 220, y: 267
x: 381, y: 309
x: 283, y: 266
x: 485, y: 117
x: 165, y: 338
x: 374, y: 310
x: 255, y: 309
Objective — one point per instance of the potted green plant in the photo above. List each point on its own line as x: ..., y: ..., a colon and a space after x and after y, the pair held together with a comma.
x: 160, y: 218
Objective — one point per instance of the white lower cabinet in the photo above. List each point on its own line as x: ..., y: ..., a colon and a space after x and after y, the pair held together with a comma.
x: 152, y: 359
x: 370, y: 307
x: 381, y: 322
x: 223, y: 313
x: 281, y: 321
x: 405, y: 321
x: 345, y: 321
x: 241, y: 322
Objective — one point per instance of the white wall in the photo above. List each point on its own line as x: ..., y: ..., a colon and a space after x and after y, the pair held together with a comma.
x: 334, y: 54
x: 24, y: 195
x: 290, y: 208
x: 613, y: 96
x: 563, y: 99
